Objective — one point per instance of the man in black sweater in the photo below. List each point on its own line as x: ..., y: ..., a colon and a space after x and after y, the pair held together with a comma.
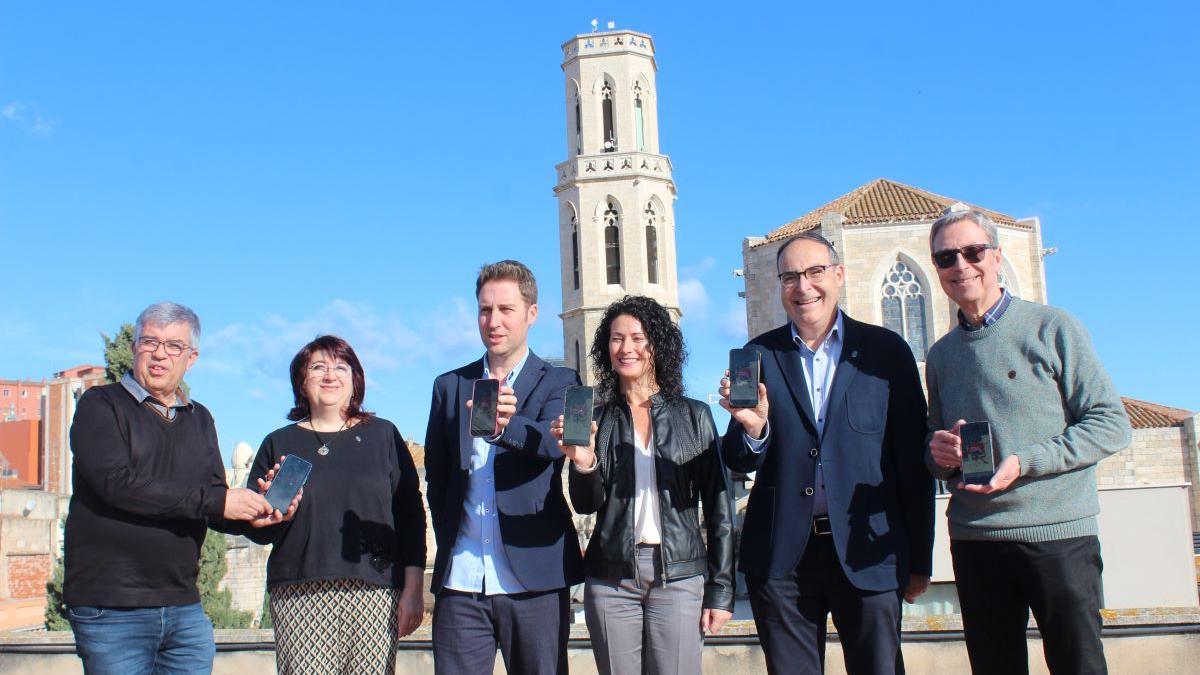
x: 148, y: 481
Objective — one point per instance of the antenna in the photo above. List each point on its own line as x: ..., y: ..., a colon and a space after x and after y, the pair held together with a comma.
x: 595, y: 23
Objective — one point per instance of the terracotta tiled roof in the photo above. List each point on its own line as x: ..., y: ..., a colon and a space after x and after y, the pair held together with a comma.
x: 881, y: 201
x: 1146, y: 415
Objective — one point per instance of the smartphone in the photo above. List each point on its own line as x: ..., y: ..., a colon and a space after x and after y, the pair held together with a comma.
x: 485, y: 395
x: 292, y: 476
x: 744, y: 369
x: 978, y: 460
x: 577, y: 416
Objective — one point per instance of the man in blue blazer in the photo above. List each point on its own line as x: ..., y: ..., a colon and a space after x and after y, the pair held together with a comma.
x: 507, y: 552
x: 840, y: 519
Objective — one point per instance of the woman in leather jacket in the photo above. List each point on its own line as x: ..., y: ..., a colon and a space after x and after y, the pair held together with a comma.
x: 653, y: 587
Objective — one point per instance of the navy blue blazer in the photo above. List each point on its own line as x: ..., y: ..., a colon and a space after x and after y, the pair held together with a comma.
x: 535, y: 521
x: 879, y: 493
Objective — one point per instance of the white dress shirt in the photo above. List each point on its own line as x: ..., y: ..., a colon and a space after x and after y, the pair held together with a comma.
x: 645, y: 500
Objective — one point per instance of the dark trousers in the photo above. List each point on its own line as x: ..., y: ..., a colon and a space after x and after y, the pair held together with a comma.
x: 531, y: 630
x: 1000, y: 581
x: 790, y: 615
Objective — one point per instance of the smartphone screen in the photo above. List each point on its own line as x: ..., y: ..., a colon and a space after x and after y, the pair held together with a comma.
x: 292, y: 476
x: 577, y: 416
x: 484, y: 399
x: 743, y: 377
x: 978, y: 463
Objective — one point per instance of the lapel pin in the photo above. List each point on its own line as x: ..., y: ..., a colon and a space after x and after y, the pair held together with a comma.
x: 358, y: 439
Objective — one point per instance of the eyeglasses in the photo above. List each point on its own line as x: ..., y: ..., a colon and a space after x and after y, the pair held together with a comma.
x: 814, y: 275
x: 172, y: 347
x: 972, y: 253
x: 320, y: 369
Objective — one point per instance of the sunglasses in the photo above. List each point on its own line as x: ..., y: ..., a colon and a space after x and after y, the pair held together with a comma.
x: 972, y: 253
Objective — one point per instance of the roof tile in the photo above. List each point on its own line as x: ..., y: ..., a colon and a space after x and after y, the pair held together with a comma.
x: 1146, y: 415
x: 881, y: 201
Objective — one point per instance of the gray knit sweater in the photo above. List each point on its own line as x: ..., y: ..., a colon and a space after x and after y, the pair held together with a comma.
x: 1034, y: 376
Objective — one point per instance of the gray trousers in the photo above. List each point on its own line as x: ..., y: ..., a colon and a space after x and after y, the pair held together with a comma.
x: 642, y: 625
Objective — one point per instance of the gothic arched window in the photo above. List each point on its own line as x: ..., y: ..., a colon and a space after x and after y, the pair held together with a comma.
x: 609, y: 143
x: 578, y: 124
x: 651, y: 219
x: 612, y: 243
x: 575, y: 248
x: 639, y: 119
x: 903, y: 304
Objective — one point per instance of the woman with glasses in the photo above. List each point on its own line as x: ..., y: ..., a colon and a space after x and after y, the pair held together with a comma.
x: 653, y: 587
x: 345, y: 575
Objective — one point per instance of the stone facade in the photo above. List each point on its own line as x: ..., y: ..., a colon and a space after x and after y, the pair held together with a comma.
x: 28, y: 545
x: 246, y: 575
x: 1158, y: 456
x: 615, y: 178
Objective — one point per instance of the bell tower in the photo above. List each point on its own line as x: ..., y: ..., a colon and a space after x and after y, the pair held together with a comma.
x: 616, y: 215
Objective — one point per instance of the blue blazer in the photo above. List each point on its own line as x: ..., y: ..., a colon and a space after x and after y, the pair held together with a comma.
x: 535, y: 522
x: 872, y: 452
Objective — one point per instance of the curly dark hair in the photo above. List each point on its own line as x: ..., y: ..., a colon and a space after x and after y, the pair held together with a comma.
x: 666, y: 344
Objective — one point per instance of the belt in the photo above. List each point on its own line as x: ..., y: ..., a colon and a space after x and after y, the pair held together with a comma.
x: 820, y: 526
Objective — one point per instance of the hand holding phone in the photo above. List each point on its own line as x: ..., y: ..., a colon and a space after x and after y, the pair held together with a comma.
x: 577, y: 416
x: 745, y: 367
x: 292, y: 476
x: 978, y: 458
x: 485, y: 397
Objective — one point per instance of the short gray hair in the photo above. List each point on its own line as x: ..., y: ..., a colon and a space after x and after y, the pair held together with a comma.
x: 166, y: 313
x: 959, y: 212
x: 808, y: 236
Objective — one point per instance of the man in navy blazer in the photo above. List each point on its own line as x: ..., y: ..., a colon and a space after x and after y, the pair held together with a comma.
x: 507, y: 551
x: 840, y: 519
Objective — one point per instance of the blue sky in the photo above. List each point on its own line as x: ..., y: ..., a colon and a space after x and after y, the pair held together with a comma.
x: 293, y: 168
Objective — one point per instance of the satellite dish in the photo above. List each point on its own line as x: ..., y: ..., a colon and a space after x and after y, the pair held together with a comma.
x: 595, y: 23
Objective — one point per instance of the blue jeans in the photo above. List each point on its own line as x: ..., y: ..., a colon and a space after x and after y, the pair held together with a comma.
x: 137, y: 640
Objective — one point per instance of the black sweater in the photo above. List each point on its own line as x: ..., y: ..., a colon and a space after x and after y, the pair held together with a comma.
x: 361, y: 516
x: 144, y: 487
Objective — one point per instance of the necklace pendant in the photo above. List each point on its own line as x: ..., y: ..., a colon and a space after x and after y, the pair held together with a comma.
x: 323, y: 450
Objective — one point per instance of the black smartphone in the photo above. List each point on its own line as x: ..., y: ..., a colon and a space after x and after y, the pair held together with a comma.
x: 292, y: 476
x: 978, y: 461
x: 485, y: 396
x: 744, y: 369
x: 577, y: 416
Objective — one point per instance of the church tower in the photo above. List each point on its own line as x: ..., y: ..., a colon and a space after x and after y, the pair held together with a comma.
x: 616, y: 216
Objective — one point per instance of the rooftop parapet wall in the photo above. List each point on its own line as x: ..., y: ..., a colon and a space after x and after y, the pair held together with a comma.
x: 607, y: 42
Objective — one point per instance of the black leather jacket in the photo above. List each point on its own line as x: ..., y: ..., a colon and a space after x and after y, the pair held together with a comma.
x: 688, y: 469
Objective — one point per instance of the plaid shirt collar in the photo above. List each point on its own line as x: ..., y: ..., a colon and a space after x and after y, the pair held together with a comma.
x: 989, y: 317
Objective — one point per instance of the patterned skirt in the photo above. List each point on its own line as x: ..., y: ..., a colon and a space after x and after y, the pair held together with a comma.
x: 334, y: 626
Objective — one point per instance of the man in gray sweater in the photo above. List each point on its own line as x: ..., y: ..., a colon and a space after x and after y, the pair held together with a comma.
x: 1026, y: 539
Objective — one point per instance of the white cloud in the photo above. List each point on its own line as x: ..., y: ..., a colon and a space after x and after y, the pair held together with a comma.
x: 384, y: 341
x: 699, y: 269
x: 693, y: 299
x: 733, y: 321
x: 27, y: 116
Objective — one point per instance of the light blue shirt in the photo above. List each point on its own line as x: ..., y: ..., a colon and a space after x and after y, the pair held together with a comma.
x: 478, y: 563
x: 819, y: 365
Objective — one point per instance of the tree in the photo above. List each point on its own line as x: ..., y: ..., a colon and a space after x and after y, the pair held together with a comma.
x: 56, y: 611
x: 266, y: 622
x: 218, y: 602
x: 118, y: 353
